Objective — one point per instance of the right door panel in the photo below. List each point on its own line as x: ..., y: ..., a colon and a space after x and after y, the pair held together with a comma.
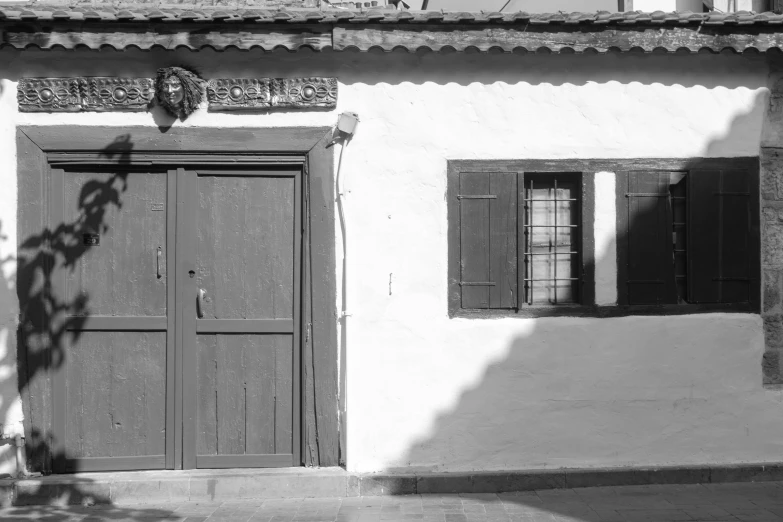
x: 245, y: 333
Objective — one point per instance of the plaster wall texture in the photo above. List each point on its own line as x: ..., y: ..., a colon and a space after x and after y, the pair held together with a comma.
x: 605, y: 239
x: 425, y: 392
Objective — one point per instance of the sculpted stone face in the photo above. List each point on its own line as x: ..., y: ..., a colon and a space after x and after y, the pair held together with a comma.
x: 179, y: 91
x: 173, y: 92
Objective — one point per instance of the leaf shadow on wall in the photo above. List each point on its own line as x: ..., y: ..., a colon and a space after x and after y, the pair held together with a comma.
x: 48, y: 322
x: 590, y: 393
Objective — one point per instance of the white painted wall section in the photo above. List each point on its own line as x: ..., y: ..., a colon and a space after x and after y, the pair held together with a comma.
x: 431, y: 393
x: 605, y: 239
x: 10, y: 402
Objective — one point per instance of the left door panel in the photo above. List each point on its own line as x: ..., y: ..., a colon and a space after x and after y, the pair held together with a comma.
x: 113, y: 386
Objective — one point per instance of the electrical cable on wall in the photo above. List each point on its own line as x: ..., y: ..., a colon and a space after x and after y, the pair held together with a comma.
x: 343, y: 132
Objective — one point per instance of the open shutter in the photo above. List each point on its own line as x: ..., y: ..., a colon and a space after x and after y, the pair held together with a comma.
x: 649, y: 254
x: 488, y: 240
x: 721, y: 236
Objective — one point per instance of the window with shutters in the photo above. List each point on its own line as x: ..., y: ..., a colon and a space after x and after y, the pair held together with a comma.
x: 552, y: 239
x: 688, y: 237
x: 521, y: 236
x: 516, y: 240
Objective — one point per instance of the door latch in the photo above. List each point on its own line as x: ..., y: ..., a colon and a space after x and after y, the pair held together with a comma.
x: 200, y: 303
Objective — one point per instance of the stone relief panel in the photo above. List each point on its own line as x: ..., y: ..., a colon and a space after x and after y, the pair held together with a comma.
x: 112, y: 94
x: 137, y: 94
x: 49, y: 95
x: 84, y: 94
x: 306, y: 92
x: 226, y: 94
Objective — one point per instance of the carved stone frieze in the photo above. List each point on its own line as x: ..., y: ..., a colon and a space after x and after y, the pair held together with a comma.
x: 49, y: 95
x: 306, y: 92
x: 225, y: 94
x: 135, y: 94
x: 112, y: 94
x: 84, y: 94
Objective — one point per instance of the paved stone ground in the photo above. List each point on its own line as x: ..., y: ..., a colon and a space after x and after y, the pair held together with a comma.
x: 744, y: 502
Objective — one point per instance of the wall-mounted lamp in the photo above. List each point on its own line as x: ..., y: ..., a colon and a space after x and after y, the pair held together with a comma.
x: 346, y: 127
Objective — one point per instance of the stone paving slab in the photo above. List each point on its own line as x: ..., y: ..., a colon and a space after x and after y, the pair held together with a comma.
x: 741, y: 502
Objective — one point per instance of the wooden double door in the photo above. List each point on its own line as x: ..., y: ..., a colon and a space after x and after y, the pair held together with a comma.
x: 181, y: 292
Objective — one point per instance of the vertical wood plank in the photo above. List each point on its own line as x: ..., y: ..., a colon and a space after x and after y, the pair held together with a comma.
x: 59, y: 343
x: 293, y: 442
x: 644, y: 239
x: 207, y: 395
x: 720, y: 269
x: 323, y: 379
x: 522, y: 288
x: 704, y: 224
x: 209, y: 201
x: 260, y: 355
x: 474, y: 239
x: 306, y: 392
x: 231, y: 394
x: 503, y: 240
x: 284, y: 381
x: 34, y: 358
x: 650, y: 261
x: 171, y: 300
x: 621, y: 189
x: 735, y: 243
x: 270, y: 250
x: 453, y: 204
x: 293, y: 417
x: 187, y: 213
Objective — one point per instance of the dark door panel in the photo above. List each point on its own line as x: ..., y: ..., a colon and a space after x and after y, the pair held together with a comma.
x: 110, y: 390
x: 184, y: 350
x: 241, y: 318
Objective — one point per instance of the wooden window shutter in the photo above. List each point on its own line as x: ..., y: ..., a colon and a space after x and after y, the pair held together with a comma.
x: 721, y: 242
x: 488, y: 240
x: 649, y: 265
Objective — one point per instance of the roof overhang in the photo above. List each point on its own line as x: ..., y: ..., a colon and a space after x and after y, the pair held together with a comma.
x: 388, y: 30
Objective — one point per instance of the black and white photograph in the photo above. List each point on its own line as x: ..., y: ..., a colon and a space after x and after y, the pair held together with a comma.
x: 391, y: 260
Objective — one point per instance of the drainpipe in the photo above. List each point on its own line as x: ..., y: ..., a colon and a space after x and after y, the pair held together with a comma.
x: 21, y: 465
x: 18, y: 441
x: 344, y: 130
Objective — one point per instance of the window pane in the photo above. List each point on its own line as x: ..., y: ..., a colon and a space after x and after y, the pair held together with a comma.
x: 552, y: 238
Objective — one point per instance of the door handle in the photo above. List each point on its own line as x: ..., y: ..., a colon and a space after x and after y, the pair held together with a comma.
x: 159, y: 256
x: 200, y: 303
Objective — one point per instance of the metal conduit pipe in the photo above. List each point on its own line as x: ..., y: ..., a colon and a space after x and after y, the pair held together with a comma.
x: 343, y: 132
x: 18, y: 441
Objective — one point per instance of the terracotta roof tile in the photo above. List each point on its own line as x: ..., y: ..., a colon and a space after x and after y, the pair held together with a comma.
x: 332, y: 21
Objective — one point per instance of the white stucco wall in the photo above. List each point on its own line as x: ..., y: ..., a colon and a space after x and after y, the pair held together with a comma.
x: 427, y: 392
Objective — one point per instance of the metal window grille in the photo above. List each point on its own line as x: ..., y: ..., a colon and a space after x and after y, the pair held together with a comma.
x: 552, y: 231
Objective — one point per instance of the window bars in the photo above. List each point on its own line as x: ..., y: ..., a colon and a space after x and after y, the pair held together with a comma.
x: 551, y: 209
